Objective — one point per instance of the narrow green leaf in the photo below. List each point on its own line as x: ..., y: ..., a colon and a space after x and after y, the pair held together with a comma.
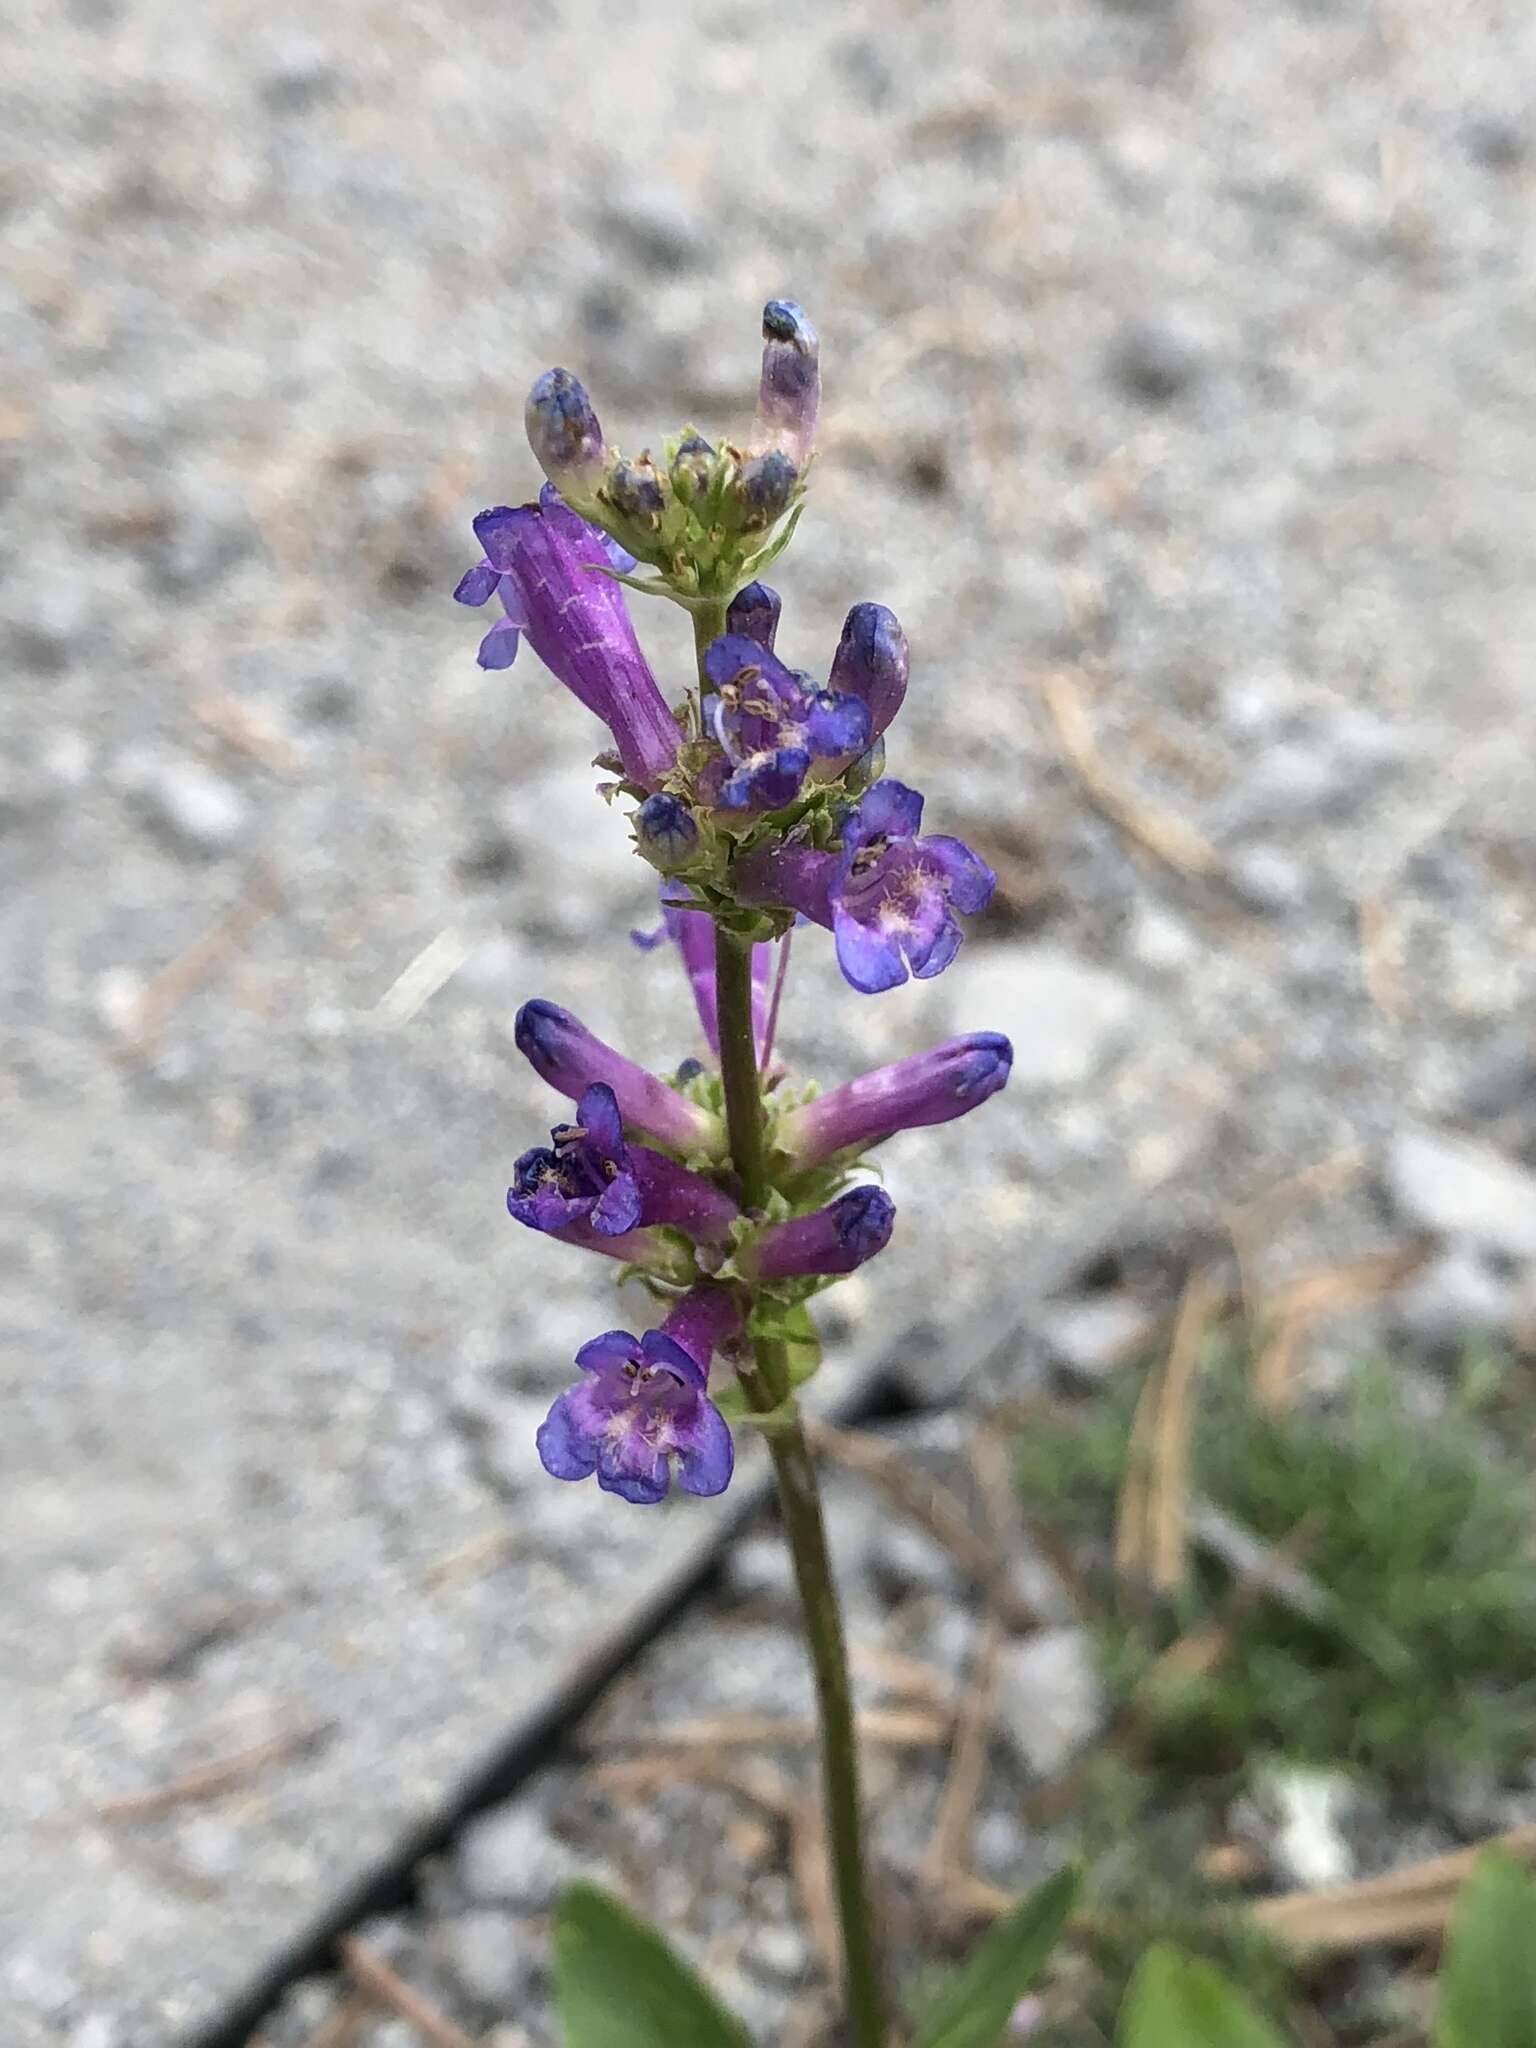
x: 1178, y: 2001
x: 974, y: 2006
x: 1488, y: 1978
x: 617, y: 1980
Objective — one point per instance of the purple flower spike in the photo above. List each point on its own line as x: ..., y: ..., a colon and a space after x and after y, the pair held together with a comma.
x: 930, y: 1088
x: 755, y: 613
x: 564, y: 433
x: 693, y: 933
x: 894, y: 897
x: 643, y: 1406
x: 588, y: 1175
x: 563, y: 1052
x: 548, y: 567
x: 771, y: 722
x: 836, y: 1239
x: 872, y: 663
x: 789, y: 395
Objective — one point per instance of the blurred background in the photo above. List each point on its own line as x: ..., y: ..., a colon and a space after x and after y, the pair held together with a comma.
x: 1178, y: 363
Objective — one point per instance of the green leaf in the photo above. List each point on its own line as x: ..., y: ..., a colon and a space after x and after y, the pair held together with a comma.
x: 974, y: 2006
x: 1488, y: 1979
x: 617, y: 1980
x: 1178, y: 2001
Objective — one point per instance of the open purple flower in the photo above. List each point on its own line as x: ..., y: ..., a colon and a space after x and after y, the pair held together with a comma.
x: 889, y: 897
x: 547, y: 565
x: 589, y: 1176
x: 836, y: 1239
x: 771, y: 723
x: 563, y: 1052
x: 929, y: 1088
x: 643, y: 1407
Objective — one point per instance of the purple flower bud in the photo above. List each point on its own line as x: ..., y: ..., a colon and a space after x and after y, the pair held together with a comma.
x: 789, y: 395
x: 564, y: 433
x: 563, y: 1052
x: 587, y: 1174
x: 665, y: 832
x: 766, y: 486
x: 929, y: 1088
x: 754, y: 614
x: 872, y: 663
x: 832, y: 1240
x: 634, y: 490
x: 693, y: 933
x: 692, y: 467
x: 550, y: 570
x: 643, y: 1405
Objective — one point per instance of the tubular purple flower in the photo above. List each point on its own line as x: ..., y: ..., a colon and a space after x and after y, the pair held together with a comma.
x: 648, y: 1248
x: 791, y: 877
x: 564, y: 434
x: 588, y: 1174
x: 872, y: 663
x: 836, y: 1239
x: 771, y: 723
x: 754, y: 614
x: 693, y: 933
x: 789, y: 395
x: 644, y: 1405
x: 929, y: 1088
x: 543, y: 560
x: 894, y: 896
x: 563, y: 1052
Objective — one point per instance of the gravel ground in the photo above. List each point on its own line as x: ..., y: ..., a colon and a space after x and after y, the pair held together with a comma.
x: 1178, y: 366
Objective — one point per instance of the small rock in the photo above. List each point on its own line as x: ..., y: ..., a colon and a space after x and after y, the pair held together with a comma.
x: 1157, y: 360
x: 1308, y: 1810
x: 197, y: 811
x: 1496, y: 142
x: 661, y: 226
x: 493, y: 1963
x: 494, y: 972
x: 905, y: 1561
x: 508, y: 1857
x: 1161, y: 941
x: 1268, y: 880
x: 779, y: 1951
x: 1456, y: 1296
x: 759, y: 1570
x: 1053, y: 1698
x: 1066, y: 1018
x: 1456, y: 1189
x: 1090, y: 1337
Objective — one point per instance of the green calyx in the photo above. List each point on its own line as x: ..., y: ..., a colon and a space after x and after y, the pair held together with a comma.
x: 707, y: 519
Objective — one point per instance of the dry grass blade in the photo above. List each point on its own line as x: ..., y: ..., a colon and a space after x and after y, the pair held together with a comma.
x: 1159, y: 832
x: 908, y: 1677
x: 245, y: 730
x: 1151, y: 1528
x: 1309, y: 1298
x: 813, y: 1880
x: 639, y: 1777
x: 949, y: 1847
x: 1404, y: 1905
x: 932, y: 1507
x: 213, y: 1780
x: 211, y: 951
x: 881, y: 1727
x: 370, y: 1971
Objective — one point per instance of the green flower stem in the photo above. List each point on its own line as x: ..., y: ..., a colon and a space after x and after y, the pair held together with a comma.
x: 766, y: 1384
x: 708, y: 625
